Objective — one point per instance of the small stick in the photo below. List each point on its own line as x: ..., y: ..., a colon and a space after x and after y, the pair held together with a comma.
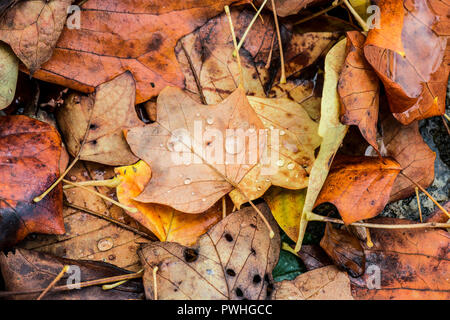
x: 315, y: 217
x: 447, y: 117
x: 235, y: 52
x: 224, y: 207
x: 227, y: 11
x: 269, y: 58
x: 109, y: 219
x: 427, y: 194
x: 334, y: 5
x: 113, y: 285
x: 194, y: 73
x: 280, y: 45
x: 61, y: 177
x: 155, y: 285
x: 85, y: 284
x: 355, y: 14
x: 418, y: 203
x: 256, y: 9
x: 52, y: 284
x: 445, y: 123
x: 368, y: 238
x: 127, y: 208
x: 110, y: 183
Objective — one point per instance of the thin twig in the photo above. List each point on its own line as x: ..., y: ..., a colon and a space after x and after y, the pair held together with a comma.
x: 280, y: 44
x: 445, y: 122
x: 334, y: 5
x: 194, y: 73
x: 155, y: 285
x: 241, y: 80
x: 110, y: 183
x: 355, y: 14
x: 256, y: 9
x: 109, y: 219
x: 52, y: 284
x: 269, y: 58
x: 224, y: 207
x: 418, y: 203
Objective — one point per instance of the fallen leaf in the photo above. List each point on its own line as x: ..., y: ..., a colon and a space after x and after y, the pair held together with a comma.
x: 233, y: 260
x: 408, y: 56
x: 330, y: 129
x: 286, y: 207
x: 32, y: 29
x: 359, y: 186
x: 406, y: 145
x: 187, y: 149
x: 104, y: 115
x: 9, y: 70
x: 166, y: 223
x: 295, y: 146
x: 344, y: 250
x: 410, y: 263
x: 88, y: 237
x: 288, y: 267
x: 26, y: 270
x: 327, y: 283
x: 143, y: 42
x: 29, y: 156
x: 287, y: 7
x: 314, y: 257
x: 358, y: 89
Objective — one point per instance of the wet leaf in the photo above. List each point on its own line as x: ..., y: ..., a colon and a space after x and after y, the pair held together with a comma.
x: 9, y: 69
x: 143, y: 43
x: 358, y: 89
x: 30, y: 152
x: 188, y: 149
x: 32, y: 29
x: 166, y: 223
x: 410, y: 263
x: 288, y: 267
x: 296, y: 142
x: 104, y: 115
x: 408, y: 57
x: 233, y: 260
x: 359, y: 186
x: 327, y: 283
x: 26, y: 270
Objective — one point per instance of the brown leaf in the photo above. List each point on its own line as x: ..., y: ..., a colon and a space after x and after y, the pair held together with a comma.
x: 187, y: 182
x: 313, y: 257
x: 358, y: 89
x: 30, y: 152
x: 143, y: 42
x: 107, y: 113
x: 344, y: 250
x: 233, y: 260
x: 327, y: 283
x: 408, y: 57
x: 32, y: 29
x: 287, y: 7
x: 89, y: 237
x: 359, y: 186
x: 410, y: 264
x: 30, y: 270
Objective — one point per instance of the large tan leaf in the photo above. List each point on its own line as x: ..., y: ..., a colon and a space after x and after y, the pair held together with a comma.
x: 330, y: 129
x: 104, y: 115
x: 233, y: 260
x: 32, y: 29
x: 192, y: 158
x: 296, y: 143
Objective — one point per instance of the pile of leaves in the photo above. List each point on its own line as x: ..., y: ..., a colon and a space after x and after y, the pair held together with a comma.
x: 105, y: 183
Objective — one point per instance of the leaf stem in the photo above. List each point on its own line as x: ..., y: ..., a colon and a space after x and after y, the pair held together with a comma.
x: 418, y: 203
x: 334, y: 5
x: 280, y: 44
x: 241, y: 74
x: 155, y: 285
x: 52, y: 284
x: 110, y: 183
x: 355, y: 14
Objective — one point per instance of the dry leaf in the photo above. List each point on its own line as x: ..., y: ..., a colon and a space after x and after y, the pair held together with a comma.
x: 9, y: 69
x: 32, y: 29
x: 408, y: 57
x: 358, y: 89
x: 313, y: 257
x: 233, y: 260
x: 327, y: 283
x: 359, y: 186
x: 188, y: 146
x: 107, y: 113
x: 30, y: 270
x: 30, y: 152
x: 287, y: 7
x: 296, y: 143
x: 89, y: 237
x: 143, y: 42
x: 166, y: 223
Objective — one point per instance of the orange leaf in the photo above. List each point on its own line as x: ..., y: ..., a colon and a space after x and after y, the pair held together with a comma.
x: 30, y: 151
x: 359, y: 186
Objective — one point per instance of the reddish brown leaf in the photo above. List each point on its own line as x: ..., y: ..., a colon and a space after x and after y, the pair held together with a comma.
x: 143, y: 42
x: 313, y: 257
x: 359, y: 186
x: 409, y: 263
x: 358, y: 89
x: 408, y: 57
x: 30, y: 153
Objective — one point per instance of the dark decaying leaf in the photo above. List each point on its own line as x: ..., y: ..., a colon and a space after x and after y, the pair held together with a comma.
x: 26, y: 270
x: 233, y: 260
x: 30, y: 153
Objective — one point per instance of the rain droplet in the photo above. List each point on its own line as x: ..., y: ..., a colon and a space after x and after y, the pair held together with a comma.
x: 259, y: 188
x: 267, y: 180
x: 280, y: 162
x: 210, y: 120
x: 197, y: 115
x: 282, y: 133
x: 193, y: 193
x: 290, y: 166
x: 203, y: 199
x: 187, y: 181
x: 271, y: 127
